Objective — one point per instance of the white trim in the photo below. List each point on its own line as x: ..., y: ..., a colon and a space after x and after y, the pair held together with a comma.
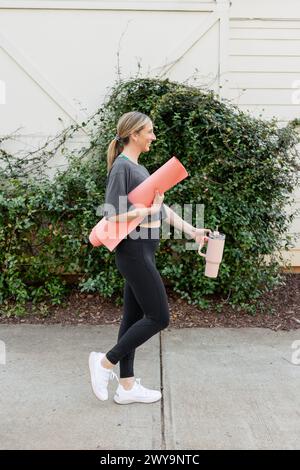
x: 31, y: 70
x: 256, y: 38
x: 224, y: 33
x: 264, y: 55
x: 106, y: 5
x: 262, y: 18
x: 221, y: 14
x: 245, y: 8
x: 265, y: 71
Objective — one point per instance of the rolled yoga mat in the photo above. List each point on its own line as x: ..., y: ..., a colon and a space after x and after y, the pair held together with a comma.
x: 111, y: 233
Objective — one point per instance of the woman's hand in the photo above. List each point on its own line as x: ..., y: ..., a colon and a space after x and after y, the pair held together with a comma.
x: 157, y: 202
x: 199, y: 235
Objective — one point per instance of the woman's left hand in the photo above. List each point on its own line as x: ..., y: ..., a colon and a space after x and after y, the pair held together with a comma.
x: 199, y: 235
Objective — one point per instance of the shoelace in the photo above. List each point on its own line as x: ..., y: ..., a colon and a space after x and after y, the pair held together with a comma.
x: 113, y: 376
x: 140, y: 386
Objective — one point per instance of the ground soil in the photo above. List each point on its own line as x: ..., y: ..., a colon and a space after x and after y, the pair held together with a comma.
x: 82, y: 308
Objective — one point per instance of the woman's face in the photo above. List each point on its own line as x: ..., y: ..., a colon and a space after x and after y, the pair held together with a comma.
x: 145, y: 137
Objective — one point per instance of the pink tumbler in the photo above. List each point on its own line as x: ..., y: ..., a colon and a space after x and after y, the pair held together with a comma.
x: 214, y: 253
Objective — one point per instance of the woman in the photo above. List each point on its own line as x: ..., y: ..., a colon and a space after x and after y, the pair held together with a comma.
x: 146, y: 309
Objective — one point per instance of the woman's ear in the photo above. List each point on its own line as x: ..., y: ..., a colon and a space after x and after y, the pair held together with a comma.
x: 134, y: 135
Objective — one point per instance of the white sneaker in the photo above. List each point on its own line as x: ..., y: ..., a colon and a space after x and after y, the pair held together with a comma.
x: 100, y: 375
x: 137, y: 393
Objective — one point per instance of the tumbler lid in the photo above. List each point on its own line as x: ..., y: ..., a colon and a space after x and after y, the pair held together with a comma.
x: 216, y: 235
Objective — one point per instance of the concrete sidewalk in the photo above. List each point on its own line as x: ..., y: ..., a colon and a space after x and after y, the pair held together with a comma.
x: 222, y: 389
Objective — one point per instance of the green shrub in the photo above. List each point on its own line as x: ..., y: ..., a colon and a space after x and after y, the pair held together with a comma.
x: 242, y: 169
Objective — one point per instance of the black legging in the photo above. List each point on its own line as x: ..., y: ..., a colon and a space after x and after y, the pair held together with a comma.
x: 146, y: 309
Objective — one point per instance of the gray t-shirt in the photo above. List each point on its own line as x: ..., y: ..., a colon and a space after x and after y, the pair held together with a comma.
x: 123, y: 177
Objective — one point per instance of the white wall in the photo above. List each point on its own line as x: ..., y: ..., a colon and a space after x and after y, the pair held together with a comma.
x: 59, y: 59
x: 264, y: 68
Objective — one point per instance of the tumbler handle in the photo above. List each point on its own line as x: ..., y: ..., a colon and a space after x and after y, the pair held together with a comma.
x: 199, y: 251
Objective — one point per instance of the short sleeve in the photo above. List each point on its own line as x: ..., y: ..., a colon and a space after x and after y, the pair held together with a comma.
x: 116, y: 200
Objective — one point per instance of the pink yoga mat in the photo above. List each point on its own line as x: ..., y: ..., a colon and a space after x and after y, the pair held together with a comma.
x: 111, y: 233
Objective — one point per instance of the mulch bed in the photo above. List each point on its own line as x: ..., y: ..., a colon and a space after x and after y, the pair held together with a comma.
x: 82, y: 308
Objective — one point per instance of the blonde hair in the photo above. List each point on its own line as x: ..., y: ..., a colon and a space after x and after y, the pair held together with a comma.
x: 134, y: 121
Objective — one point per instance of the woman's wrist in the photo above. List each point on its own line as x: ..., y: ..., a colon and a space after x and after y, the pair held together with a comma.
x: 189, y: 230
x: 154, y: 209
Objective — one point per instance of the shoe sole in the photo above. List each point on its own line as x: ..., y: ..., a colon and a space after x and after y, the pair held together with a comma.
x: 93, y: 383
x: 127, y: 402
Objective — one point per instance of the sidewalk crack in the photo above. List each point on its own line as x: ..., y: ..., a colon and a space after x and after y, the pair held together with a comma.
x: 162, y: 407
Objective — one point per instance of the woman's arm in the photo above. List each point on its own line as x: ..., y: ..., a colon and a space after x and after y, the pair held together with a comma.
x: 141, y: 211
x: 197, y: 234
x: 127, y: 216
